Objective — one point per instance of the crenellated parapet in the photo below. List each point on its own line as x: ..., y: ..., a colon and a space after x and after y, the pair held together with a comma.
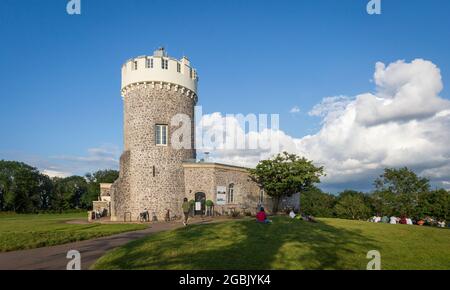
x: 159, y: 71
x: 160, y: 86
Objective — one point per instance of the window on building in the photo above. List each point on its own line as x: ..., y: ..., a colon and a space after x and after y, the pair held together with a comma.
x: 149, y: 63
x: 164, y: 63
x: 261, y: 196
x: 230, y: 194
x: 161, y: 135
x: 135, y: 65
x: 190, y: 73
x: 178, y: 67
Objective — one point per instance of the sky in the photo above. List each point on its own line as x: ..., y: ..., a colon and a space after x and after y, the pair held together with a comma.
x: 355, y: 92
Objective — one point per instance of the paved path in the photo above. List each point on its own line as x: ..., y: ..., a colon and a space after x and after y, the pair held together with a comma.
x: 54, y: 258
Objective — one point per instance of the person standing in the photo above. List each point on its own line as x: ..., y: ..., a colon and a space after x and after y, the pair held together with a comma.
x: 186, y: 209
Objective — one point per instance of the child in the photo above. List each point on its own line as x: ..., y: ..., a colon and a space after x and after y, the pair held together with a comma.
x: 262, y: 217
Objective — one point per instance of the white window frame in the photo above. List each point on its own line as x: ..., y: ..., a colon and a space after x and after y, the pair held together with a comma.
x: 159, y: 135
x: 135, y: 65
x: 230, y: 193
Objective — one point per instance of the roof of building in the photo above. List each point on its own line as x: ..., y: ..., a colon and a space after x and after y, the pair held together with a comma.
x: 203, y: 164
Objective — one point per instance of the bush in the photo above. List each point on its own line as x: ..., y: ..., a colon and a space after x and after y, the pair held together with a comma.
x: 235, y: 214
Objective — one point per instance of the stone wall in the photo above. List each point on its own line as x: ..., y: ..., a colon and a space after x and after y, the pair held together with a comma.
x: 152, y: 177
x: 206, y: 177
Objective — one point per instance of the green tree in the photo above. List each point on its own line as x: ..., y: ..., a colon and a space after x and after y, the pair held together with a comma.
x: 402, y: 187
x: 22, y: 187
x: 285, y: 175
x: 434, y: 203
x: 68, y: 192
x: 352, y: 205
x: 383, y: 203
x: 317, y: 203
x: 94, y: 180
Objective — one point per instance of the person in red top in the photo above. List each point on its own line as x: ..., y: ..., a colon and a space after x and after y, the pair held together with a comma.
x: 262, y: 217
x: 403, y: 220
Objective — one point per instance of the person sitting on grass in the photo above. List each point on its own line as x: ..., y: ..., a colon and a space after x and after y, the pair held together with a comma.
x: 261, y: 217
x: 393, y: 220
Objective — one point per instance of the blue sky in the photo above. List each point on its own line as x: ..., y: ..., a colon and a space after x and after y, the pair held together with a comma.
x: 60, y: 74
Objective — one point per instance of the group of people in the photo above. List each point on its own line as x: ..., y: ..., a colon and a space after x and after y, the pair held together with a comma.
x: 261, y: 217
x: 99, y: 213
x: 407, y: 221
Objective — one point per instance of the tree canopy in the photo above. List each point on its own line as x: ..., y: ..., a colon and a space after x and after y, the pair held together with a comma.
x: 285, y: 175
x: 24, y: 189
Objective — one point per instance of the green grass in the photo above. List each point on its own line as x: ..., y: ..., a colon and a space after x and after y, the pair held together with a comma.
x: 19, y: 232
x: 285, y: 244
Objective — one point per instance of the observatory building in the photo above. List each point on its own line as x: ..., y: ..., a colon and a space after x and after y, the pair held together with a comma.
x: 154, y: 176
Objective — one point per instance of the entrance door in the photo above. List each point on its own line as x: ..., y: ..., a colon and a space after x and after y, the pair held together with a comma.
x: 200, y: 203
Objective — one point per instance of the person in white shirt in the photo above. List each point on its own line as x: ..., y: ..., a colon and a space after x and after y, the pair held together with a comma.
x: 393, y: 220
x: 409, y: 221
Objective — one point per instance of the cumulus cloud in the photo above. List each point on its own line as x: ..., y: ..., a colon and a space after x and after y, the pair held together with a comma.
x: 404, y: 122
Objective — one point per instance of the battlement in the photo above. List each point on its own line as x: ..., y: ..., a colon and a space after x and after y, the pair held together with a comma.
x: 159, y: 68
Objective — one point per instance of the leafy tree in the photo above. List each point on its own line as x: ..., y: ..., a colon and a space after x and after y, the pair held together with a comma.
x: 352, y: 205
x: 68, y: 192
x: 317, y: 203
x: 402, y: 188
x: 434, y: 203
x: 383, y: 203
x: 22, y: 187
x: 285, y: 175
x: 94, y: 180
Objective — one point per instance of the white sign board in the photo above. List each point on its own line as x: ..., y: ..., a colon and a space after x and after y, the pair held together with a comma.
x: 221, y: 198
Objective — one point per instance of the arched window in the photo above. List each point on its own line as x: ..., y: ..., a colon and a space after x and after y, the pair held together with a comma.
x: 230, y: 195
x: 261, y: 196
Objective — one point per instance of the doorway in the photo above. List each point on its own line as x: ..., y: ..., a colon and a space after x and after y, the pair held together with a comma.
x: 200, y: 203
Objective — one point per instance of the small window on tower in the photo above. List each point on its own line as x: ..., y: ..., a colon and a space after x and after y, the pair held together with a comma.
x: 149, y: 63
x: 164, y: 63
x: 135, y: 65
x: 161, y: 135
x: 178, y: 67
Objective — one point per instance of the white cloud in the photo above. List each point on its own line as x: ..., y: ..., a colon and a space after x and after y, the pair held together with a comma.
x: 54, y: 173
x: 295, y: 110
x: 103, y: 157
x: 403, y: 123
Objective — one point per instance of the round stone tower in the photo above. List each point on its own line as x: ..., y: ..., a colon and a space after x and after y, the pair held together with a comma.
x: 155, y: 89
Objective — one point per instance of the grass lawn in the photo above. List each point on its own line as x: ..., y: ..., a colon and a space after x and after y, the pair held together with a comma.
x: 285, y: 244
x: 19, y: 232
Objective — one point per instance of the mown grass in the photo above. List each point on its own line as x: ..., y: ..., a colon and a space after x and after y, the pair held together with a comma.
x: 19, y: 232
x: 285, y: 244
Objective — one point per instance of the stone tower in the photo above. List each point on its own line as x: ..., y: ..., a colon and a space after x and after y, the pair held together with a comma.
x: 154, y: 89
